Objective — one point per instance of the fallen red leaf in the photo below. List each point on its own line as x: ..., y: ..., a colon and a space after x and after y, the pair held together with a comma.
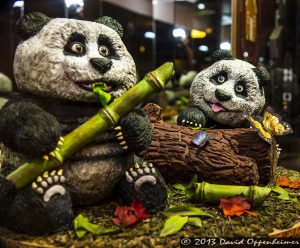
x: 235, y: 206
x: 128, y: 216
x: 286, y: 182
x: 282, y: 181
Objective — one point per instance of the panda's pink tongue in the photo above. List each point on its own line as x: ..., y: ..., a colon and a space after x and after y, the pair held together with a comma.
x: 216, y: 107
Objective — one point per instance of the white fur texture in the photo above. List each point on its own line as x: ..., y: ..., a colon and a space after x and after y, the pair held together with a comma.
x: 42, y: 68
x: 203, y: 91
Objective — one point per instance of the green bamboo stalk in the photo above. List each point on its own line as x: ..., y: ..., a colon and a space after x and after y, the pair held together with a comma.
x: 212, y: 193
x: 105, y: 118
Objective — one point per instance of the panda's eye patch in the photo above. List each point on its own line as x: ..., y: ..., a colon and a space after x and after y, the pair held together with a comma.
x: 106, y: 47
x: 104, y: 51
x: 240, y: 88
x: 220, y: 78
x: 75, y: 45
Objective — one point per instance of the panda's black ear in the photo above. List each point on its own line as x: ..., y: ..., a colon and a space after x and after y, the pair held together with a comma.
x: 112, y: 23
x: 222, y: 54
x: 30, y: 24
x: 262, y: 74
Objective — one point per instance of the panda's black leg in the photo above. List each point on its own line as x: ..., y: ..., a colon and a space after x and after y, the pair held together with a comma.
x: 145, y: 182
x: 43, y: 207
x: 7, y: 195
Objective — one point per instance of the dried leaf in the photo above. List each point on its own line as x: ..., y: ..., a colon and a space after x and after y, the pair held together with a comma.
x: 235, y: 206
x: 287, y: 182
x: 282, y: 181
x: 293, y: 232
x: 195, y: 221
x: 173, y: 225
x: 185, y: 211
x: 82, y: 226
x: 128, y: 216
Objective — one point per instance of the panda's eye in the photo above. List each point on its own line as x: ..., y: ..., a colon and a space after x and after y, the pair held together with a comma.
x: 104, y: 51
x: 240, y: 89
x: 220, y: 78
x: 77, y: 48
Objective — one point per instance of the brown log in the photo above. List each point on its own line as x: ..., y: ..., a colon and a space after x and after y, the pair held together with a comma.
x: 231, y: 156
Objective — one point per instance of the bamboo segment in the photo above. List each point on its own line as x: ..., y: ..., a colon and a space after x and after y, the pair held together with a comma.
x: 105, y: 118
x: 212, y: 193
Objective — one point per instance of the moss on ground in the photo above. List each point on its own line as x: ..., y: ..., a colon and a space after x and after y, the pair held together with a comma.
x: 274, y: 213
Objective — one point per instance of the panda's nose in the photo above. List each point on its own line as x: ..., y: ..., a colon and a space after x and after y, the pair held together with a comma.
x: 222, y: 95
x: 101, y: 64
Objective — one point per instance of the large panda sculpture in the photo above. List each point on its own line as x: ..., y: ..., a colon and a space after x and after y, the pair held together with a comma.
x: 56, y: 66
x: 224, y: 93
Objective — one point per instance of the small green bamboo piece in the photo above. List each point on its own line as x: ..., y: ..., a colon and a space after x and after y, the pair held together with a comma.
x: 105, y: 118
x: 212, y: 193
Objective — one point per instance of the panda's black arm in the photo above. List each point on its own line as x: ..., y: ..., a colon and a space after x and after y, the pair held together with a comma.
x: 137, y: 130
x: 28, y: 129
x: 192, y: 116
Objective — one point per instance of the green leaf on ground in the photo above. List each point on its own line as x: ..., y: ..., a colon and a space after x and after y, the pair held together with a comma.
x: 173, y: 225
x: 82, y: 226
x: 185, y: 211
x: 283, y: 194
x: 195, y: 221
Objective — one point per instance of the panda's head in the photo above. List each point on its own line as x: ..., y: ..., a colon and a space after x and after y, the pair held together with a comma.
x: 229, y: 89
x: 63, y: 58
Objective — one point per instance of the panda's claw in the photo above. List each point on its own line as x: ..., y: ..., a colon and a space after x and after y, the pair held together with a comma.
x: 46, y: 157
x: 46, y: 174
x: 119, y: 134
x: 47, y: 186
x: 123, y: 143
x: 117, y: 128
x: 55, y: 155
x: 120, y: 138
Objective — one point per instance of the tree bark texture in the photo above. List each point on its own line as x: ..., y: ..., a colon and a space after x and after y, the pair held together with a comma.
x: 230, y: 156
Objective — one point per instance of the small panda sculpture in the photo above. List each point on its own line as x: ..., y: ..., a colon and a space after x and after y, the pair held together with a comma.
x: 222, y: 94
x: 56, y: 66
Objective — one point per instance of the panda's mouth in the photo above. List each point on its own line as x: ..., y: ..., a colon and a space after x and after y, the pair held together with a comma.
x: 90, y: 85
x: 216, y: 107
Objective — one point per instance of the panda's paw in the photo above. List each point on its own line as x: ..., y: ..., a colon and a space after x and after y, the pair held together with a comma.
x: 191, y: 117
x: 139, y: 175
x: 145, y: 182
x: 50, y: 184
x: 43, y: 207
x: 135, y: 131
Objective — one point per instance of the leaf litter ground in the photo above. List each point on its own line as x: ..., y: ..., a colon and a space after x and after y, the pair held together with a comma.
x: 273, y: 214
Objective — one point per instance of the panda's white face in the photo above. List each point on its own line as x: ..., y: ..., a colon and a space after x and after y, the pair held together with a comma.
x: 227, y: 91
x: 67, y: 56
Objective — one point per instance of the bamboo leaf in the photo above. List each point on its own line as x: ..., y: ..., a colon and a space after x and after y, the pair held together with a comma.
x: 185, y: 211
x: 179, y: 186
x: 103, y: 96
x: 283, y: 194
x: 195, y: 221
x: 173, y: 225
x: 82, y: 226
